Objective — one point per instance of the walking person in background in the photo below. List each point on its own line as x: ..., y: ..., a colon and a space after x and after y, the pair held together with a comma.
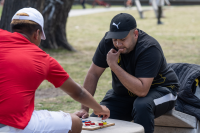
x: 160, y: 4
x: 2, y: 2
x: 101, y: 3
x: 129, y: 3
x: 82, y: 3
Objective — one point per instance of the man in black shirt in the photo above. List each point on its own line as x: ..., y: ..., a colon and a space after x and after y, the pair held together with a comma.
x: 143, y: 86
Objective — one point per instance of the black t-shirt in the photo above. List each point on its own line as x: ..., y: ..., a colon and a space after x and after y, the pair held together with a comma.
x: 145, y: 61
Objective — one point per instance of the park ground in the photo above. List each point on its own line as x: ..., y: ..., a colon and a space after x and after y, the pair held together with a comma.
x: 179, y: 38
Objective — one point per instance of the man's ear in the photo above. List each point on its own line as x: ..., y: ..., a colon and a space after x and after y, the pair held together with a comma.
x: 37, y: 34
x: 136, y: 33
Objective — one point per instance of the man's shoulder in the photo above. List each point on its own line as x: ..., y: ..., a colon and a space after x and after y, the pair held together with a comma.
x: 145, y: 40
x: 4, y: 32
x: 143, y: 36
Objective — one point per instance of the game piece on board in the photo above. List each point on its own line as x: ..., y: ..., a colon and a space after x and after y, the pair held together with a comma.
x: 87, y: 121
x: 87, y: 124
x: 104, y: 122
x: 100, y: 123
x: 92, y: 123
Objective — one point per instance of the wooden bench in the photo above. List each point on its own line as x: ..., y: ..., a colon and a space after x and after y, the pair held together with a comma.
x: 178, y: 122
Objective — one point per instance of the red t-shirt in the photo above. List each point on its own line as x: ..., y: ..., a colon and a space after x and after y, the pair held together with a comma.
x: 23, y: 66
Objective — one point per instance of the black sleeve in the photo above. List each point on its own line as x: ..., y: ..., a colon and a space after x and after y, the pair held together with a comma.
x: 149, y: 63
x: 100, y: 55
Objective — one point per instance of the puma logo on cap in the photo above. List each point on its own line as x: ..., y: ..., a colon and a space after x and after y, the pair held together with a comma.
x: 116, y: 25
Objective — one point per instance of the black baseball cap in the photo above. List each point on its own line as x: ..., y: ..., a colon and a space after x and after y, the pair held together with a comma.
x: 121, y: 25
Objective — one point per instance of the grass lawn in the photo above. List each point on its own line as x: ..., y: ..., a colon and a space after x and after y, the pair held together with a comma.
x: 1, y: 9
x: 179, y: 38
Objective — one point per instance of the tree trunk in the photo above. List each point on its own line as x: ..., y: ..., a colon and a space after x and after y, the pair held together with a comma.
x: 55, y: 13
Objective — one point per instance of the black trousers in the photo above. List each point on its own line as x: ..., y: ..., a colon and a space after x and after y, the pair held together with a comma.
x: 83, y: 3
x: 143, y: 110
x: 159, y: 12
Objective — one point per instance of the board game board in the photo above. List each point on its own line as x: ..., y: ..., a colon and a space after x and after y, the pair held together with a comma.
x: 91, y: 125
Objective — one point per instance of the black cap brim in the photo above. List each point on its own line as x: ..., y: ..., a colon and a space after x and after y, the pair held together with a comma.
x: 117, y: 35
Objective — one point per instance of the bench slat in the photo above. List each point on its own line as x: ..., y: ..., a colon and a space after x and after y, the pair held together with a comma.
x: 175, y: 118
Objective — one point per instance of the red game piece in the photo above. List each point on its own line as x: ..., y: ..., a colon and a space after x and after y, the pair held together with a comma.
x: 100, y: 124
x: 92, y: 123
x: 87, y: 124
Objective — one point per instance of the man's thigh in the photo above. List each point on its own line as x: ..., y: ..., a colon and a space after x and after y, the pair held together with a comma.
x: 48, y: 122
x: 159, y: 99
x: 120, y: 107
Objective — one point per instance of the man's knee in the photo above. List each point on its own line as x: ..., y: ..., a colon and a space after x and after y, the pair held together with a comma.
x: 143, y: 104
x: 143, y: 113
x: 76, y: 124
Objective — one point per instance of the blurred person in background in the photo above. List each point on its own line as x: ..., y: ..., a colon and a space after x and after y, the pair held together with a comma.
x: 160, y: 4
x: 2, y: 2
x: 101, y: 3
x: 129, y: 3
x: 82, y: 3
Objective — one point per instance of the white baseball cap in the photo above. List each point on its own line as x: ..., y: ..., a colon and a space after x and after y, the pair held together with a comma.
x: 34, y: 15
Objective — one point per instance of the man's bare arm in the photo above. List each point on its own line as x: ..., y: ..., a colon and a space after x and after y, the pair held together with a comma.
x: 138, y: 86
x: 90, y: 85
x: 81, y: 95
x: 91, y: 80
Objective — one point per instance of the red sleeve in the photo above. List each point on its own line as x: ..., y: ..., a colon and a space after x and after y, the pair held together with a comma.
x: 56, y: 75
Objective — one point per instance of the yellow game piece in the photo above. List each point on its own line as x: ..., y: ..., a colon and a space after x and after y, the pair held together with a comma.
x: 104, y: 122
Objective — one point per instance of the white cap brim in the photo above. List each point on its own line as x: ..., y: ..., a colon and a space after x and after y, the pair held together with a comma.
x: 43, y: 37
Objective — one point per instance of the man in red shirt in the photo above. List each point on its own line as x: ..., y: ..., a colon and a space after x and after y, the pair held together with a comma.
x: 23, y: 66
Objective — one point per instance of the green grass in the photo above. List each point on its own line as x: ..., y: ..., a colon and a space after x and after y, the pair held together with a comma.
x: 1, y: 9
x: 179, y: 38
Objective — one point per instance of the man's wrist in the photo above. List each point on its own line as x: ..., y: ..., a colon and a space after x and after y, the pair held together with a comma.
x: 113, y: 66
x: 100, y: 109
x: 85, y: 108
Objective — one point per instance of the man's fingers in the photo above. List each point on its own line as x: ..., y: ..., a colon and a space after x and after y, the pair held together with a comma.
x: 113, y: 50
x: 105, y: 117
x: 77, y: 113
x: 82, y: 114
x: 85, y: 116
x: 119, y: 51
